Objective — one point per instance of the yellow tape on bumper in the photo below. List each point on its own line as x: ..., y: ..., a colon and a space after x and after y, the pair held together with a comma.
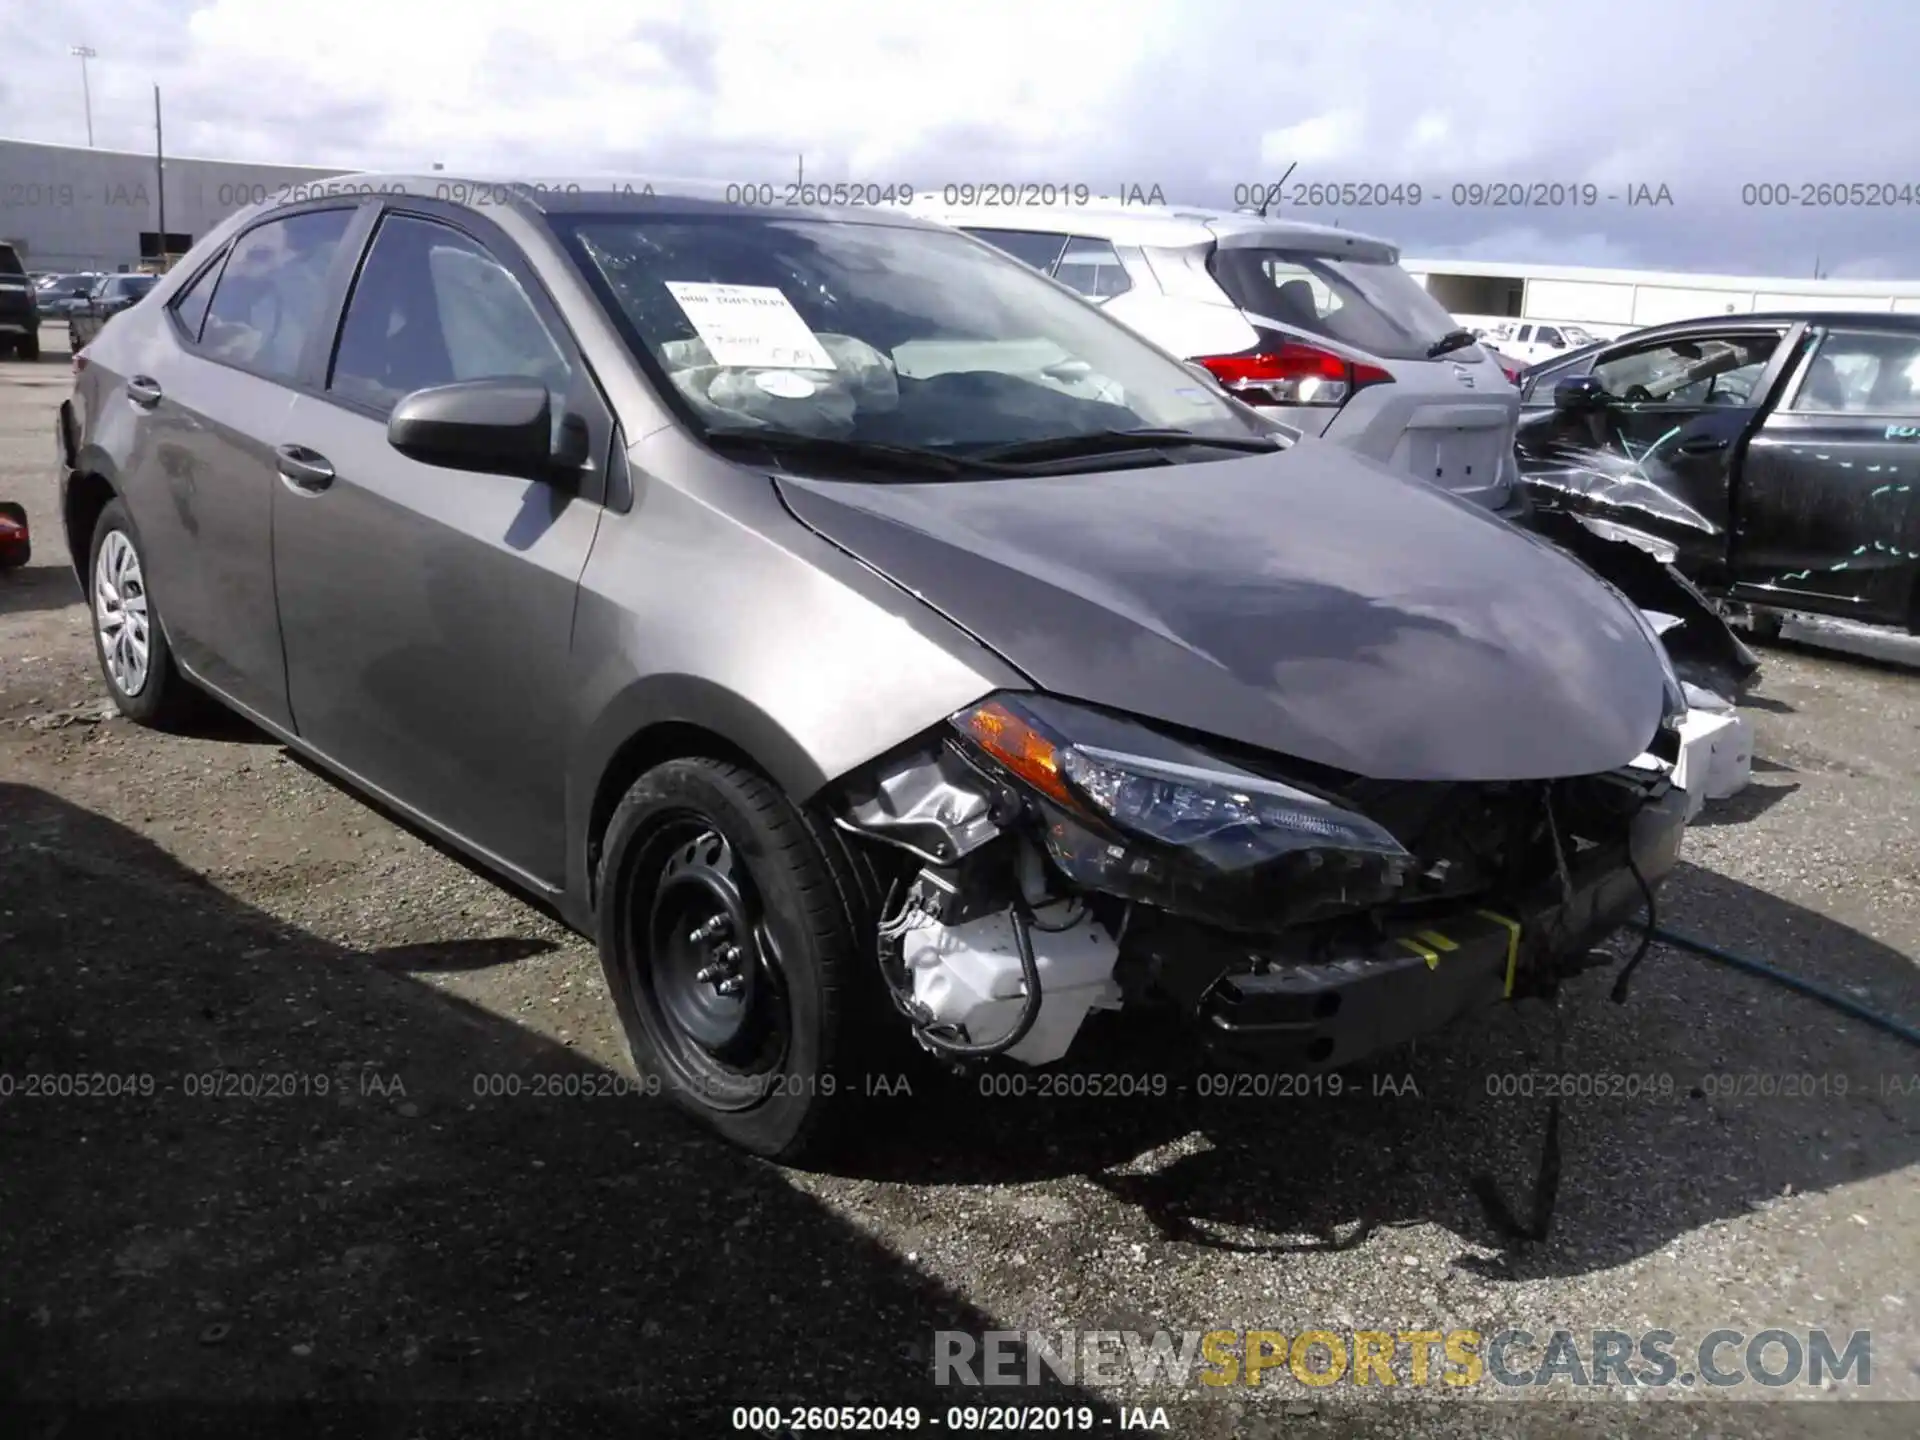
x: 1432, y: 957
x: 1513, y: 942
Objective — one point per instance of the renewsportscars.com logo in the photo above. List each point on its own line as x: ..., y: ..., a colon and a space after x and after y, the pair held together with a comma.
x: 1459, y: 1359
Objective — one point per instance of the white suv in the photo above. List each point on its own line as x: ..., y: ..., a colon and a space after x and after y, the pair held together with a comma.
x: 1321, y: 328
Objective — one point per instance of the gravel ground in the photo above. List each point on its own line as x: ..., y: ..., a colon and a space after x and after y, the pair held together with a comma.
x: 354, y: 1225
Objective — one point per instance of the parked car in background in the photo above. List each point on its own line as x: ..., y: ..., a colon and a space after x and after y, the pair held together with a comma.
x: 1318, y: 327
x: 111, y: 295
x: 1045, y: 679
x: 61, y: 295
x: 1774, y: 459
x: 1531, y: 342
x: 19, y: 308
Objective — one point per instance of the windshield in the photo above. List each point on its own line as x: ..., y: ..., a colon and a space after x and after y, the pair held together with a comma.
x: 1373, y: 306
x: 896, y: 335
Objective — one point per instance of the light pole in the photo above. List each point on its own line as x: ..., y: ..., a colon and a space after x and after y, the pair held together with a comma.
x: 86, y: 53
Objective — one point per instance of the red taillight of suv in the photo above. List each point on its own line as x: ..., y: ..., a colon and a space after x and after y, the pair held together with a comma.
x: 1293, y: 375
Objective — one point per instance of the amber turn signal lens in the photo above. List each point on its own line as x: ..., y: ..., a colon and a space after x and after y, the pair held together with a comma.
x: 1018, y: 746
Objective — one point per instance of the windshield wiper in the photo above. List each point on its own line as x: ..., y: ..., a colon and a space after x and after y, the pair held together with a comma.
x: 1108, y: 442
x: 825, y: 447
x: 1451, y: 341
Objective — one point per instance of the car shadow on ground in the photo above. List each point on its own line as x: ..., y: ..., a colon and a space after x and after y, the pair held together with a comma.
x: 1705, y: 1095
x: 33, y: 589
x: 246, y: 1165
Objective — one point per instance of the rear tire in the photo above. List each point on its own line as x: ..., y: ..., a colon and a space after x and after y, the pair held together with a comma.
x: 129, y: 637
x: 28, y: 347
x: 728, y: 936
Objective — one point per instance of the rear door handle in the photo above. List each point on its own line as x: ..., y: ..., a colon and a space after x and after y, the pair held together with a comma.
x: 144, y: 391
x: 1702, y: 444
x: 303, y: 469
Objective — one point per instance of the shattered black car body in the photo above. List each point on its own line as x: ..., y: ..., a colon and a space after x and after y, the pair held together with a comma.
x: 1773, y: 460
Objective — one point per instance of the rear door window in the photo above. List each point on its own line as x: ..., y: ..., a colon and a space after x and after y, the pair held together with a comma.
x: 10, y: 261
x: 1861, y: 373
x: 1038, y: 248
x: 1372, y: 306
x: 190, y: 305
x: 1093, y: 268
x: 271, y: 292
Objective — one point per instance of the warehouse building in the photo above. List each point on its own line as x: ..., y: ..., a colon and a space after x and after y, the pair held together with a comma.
x: 1608, y: 302
x: 66, y: 208
x: 72, y: 208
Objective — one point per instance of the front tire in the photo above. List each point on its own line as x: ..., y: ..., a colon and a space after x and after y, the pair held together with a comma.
x: 728, y: 936
x: 128, y: 637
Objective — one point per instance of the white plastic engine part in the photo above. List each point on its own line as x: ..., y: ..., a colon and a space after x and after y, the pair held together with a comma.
x: 969, y: 975
x: 1716, y: 756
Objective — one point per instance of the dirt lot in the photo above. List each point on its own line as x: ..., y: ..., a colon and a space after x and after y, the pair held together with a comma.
x: 349, y: 1221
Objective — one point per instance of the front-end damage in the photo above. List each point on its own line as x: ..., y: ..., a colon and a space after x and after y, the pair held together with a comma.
x: 1045, y: 859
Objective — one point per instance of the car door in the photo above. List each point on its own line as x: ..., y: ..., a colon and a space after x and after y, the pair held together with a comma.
x: 1658, y: 455
x: 214, y: 391
x: 1827, y: 509
x: 428, y: 612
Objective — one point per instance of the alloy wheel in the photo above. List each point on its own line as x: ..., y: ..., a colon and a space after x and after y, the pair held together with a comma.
x: 120, y: 614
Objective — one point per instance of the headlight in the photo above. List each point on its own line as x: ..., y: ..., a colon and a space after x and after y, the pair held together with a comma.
x: 1134, y: 813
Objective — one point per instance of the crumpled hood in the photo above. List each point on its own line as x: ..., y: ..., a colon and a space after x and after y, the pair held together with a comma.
x: 1308, y: 603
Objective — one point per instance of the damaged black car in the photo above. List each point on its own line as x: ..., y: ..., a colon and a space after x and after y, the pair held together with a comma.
x: 1772, y: 459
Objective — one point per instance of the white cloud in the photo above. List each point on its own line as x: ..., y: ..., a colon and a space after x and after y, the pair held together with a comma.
x: 1331, y: 137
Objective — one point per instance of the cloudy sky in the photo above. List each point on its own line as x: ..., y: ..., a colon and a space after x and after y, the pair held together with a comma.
x: 1703, y: 97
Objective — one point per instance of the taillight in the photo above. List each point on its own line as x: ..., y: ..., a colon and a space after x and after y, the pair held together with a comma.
x: 79, y: 361
x: 1293, y: 375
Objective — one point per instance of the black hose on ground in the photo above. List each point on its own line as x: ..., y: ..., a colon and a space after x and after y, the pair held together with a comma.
x: 1846, y: 1006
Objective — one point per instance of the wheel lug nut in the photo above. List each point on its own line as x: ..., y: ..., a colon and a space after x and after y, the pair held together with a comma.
x: 732, y: 985
x: 708, y: 929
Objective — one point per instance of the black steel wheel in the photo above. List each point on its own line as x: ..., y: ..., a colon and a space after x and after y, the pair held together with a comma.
x: 727, y: 937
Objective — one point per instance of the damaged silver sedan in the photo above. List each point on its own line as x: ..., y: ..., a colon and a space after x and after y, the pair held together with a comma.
x: 869, y: 641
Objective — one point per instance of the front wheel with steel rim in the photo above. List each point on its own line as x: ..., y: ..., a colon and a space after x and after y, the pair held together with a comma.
x: 727, y: 937
x: 127, y: 635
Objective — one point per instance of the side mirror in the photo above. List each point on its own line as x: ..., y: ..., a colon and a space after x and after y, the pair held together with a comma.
x: 502, y: 427
x: 1581, y: 395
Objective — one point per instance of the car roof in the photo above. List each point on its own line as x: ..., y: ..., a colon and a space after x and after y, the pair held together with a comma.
x: 604, y: 194
x: 1128, y: 222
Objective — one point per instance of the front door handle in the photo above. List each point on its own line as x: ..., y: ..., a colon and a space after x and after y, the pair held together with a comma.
x: 303, y: 469
x: 1702, y: 444
x: 144, y: 391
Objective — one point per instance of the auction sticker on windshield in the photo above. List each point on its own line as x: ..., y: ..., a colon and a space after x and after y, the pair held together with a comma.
x: 753, y: 326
